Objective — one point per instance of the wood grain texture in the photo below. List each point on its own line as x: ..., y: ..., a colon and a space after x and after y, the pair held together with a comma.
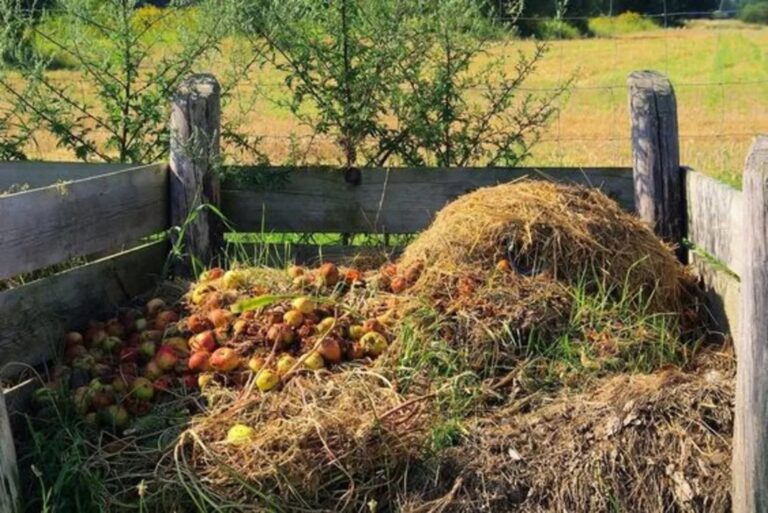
x: 656, y: 154
x: 722, y: 291
x: 195, y: 127
x: 34, y: 175
x: 750, y: 438
x: 50, y: 225
x: 9, y: 475
x: 715, y: 217
x: 34, y: 317
x: 398, y: 200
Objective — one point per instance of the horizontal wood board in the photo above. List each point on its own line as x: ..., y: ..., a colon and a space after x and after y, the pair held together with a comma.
x: 34, y: 317
x: 33, y: 175
x: 398, y: 200
x: 715, y: 219
x: 47, y: 226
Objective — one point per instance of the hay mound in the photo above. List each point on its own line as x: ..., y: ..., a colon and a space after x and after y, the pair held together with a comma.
x: 568, y: 233
x: 657, y: 442
x: 342, y: 439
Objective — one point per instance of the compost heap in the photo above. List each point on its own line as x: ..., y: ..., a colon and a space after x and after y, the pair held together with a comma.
x: 478, y: 371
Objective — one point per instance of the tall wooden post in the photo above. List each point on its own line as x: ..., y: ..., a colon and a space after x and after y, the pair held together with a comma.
x: 750, y: 437
x: 195, y: 131
x: 658, y: 177
x: 9, y: 477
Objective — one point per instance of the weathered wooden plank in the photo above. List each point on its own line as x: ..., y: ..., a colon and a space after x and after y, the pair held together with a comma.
x: 656, y: 154
x: 195, y: 130
x: 715, y: 218
x: 9, y: 475
x: 34, y: 317
x: 33, y: 175
x: 722, y: 290
x: 750, y: 436
x: 394, y: 200
x: 47, y: 226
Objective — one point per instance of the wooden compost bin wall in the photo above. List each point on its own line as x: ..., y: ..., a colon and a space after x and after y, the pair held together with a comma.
x: 65, y: 212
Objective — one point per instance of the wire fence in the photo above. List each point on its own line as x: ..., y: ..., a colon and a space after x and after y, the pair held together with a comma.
x: 715, y: 64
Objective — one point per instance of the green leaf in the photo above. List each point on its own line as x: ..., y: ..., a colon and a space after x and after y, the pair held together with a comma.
x: 256, y: 302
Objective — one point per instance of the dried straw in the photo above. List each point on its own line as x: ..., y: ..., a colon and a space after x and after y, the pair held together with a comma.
x: 341, y: 439
x: 653, y: 443
x: 570, y: 233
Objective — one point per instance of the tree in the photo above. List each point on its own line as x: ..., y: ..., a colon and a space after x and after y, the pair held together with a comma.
x: 128, y: 60
x: 398, y: 82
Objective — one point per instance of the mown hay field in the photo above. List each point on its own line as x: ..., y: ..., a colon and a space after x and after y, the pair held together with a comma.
x: 719, y: 69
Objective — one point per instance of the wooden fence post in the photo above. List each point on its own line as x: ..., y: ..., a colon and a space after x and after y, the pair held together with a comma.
x: 9, y: 477
x: 195, y: 131
x: 750, y: 436
x: 659, y: 181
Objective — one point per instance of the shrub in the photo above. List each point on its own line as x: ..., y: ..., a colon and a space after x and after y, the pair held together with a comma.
x: 390, y: 82
x: 624, y: 23
x: 555, y: 29
x: 755, y: 13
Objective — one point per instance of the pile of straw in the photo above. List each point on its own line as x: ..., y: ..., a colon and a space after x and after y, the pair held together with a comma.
x: 568, y: 233
x: 659, y: 442
x: 341, y: 439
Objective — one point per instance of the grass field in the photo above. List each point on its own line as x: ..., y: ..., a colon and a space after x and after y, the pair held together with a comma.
x: 719, y: 69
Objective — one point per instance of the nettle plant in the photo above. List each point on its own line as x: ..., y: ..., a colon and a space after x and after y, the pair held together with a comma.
x: 122, y: 62
x: 411, y: 82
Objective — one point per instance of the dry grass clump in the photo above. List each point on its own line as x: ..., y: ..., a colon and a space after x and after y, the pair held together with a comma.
x: 654, y: 443
x: 542, y: 228
x: 325, y: 442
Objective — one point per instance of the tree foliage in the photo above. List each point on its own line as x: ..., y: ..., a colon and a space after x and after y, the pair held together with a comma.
x: 131, y: 63
x: 408, y: 82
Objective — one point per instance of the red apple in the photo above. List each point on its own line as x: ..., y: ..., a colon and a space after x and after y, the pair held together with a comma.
x: 197, y: 323
x: 205, y: 341
x: 330, y: 350
x: 166, y: 357
x: 199, y: 361
x: 189, y: 381
x: 224, y: 359
x: 179, y: 344
x: 220, y: 318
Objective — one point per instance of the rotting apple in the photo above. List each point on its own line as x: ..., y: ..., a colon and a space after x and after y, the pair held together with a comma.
x: 205, y: 341
x: 374, y: 343
x: 303, y: 304
x: 266, y: 380
x: 280, y: 334
x: 73, y: 339
x: 142, y: 389
x: 313, y: 361
x: 220, y: 318
x: 165, y: 318
x: 166, y: 357
x: 285, y: 363
x: 154, y: 306
x: 199, y: 361
x: 256, y: 363
x: 224, y: 359
x: 152, y: 370
x: 147, y: 349
x: 196, y: 323
x: 330, y: 350
x: 293, y: 318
